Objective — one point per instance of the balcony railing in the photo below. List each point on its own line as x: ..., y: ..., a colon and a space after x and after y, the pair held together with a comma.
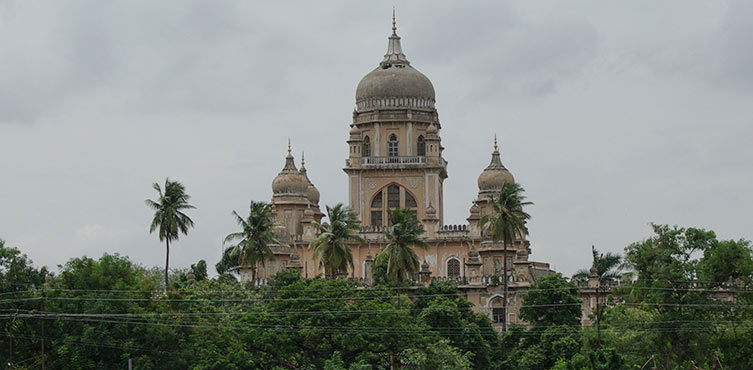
x: 393, y: 162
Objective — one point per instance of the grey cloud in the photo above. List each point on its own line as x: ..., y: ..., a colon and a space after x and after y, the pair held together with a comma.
x: 603, y: 111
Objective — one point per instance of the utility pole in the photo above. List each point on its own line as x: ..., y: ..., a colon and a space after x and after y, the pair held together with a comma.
x: 41, y: 322
x: 598, y: 318
x: 504, y: 305
x: 10, y: 341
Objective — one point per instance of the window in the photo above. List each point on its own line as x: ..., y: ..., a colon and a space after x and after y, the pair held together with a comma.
x: 497, y: 310
x: 377, y: 201
x: 421, y: 146
x: 410, y: 202
x: 366, y: 147
x: 376, y: 218
x: 393, y: 196
x: 453, y: 268
x: 392, y: 146
x: 498, y: 314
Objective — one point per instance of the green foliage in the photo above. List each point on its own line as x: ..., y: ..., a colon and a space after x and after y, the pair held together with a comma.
x: 331, y: 246
x: 397, y: 256
x: 18, y: 281
x: 552, y: 300
x: 686, y: 310
x: 199, y: 270
x: 691, y: 305
x: 253, y: 241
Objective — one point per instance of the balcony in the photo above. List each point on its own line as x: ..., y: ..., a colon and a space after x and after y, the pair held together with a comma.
x: 393, y: 162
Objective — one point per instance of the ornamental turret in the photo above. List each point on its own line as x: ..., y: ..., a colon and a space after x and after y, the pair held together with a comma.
x: 490, y: 182
x: 290, y: 197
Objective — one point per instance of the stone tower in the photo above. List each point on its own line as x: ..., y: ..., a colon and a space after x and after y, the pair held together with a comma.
x: 395, y: 152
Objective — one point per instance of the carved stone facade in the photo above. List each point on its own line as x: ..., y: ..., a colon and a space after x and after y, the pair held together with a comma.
x: 395, y: 160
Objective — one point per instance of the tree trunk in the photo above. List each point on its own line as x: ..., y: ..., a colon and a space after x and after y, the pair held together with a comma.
x: 504, y: 302
x: 167, y: 262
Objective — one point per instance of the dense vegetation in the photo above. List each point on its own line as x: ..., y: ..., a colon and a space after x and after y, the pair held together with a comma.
x: 688, y: 305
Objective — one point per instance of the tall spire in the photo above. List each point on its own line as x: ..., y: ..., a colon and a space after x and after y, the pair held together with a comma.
x: 394, y: 26
x: 394, y: 54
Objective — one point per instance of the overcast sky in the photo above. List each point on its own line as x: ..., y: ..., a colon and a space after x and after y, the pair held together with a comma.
x: 611, y: 114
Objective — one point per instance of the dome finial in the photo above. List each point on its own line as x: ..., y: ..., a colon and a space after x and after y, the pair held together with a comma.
x: 303, y: 159
x: 394, y: 26
x: 394, y: 54
x: 496, y: 149
x: 289, y: 146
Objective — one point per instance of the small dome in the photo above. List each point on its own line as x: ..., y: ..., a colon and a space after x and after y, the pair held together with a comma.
x: 312, y: 193
x: 474, y: 209
x: 494, y: 175
x: 394, y: 83
x: 593, y: 271
x: 289, y: 181
x: 432, y: 129
x: 430, y: 210
x: 354, y: 131
x: 425, y: 266
x: 473, y: 253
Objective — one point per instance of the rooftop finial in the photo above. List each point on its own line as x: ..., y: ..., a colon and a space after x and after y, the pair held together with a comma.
x: 289, y: 146
x: 495, y: 143
x: 394, y: 27
x: 303, y: 160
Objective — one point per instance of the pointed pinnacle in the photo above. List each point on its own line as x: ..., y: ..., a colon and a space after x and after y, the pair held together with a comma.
x: 394, y: 26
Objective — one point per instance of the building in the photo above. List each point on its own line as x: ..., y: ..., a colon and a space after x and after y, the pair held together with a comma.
x: 395, y: 160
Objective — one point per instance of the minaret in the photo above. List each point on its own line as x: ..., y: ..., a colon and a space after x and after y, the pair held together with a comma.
x: 290, y: 196
x: 394, y: 147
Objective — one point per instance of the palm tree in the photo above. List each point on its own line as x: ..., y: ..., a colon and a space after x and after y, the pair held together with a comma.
x: 404, y: 231
x: 255, y: 238
x: 228, y: 263
x: 608, y: 267
x: 506, y: 222
x: 169, y: 217
x: 331, y: 246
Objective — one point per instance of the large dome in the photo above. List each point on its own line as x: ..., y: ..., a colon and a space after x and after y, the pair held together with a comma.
x: 394, y: 83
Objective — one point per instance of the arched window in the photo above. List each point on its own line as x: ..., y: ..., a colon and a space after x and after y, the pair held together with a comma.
x: 421, y: 146
x: 376, y: 210
x: 390, y: 197
x: 377, y: 201
x: 366, y: 147
x: 453, y: 268
x: 393, y: 196
x: 410, y: 202
x: 392, y: 146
